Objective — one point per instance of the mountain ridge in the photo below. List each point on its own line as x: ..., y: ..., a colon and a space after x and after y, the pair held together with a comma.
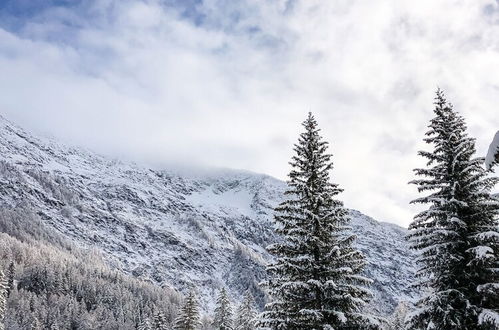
x: 204, y: 229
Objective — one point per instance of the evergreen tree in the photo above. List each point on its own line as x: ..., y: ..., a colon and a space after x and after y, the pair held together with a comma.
x: 159, y: 321
x: 457, y: 236
x: 189, y: 318
x: 3, y: 299
x: 145, y: 325
x: 246, y: 314
x: 397, y: 319
x: 11, y: 273
x: 315, y: 282
x: 223, y: 312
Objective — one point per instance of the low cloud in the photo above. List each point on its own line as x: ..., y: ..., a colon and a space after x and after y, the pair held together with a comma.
x: 226, y: 83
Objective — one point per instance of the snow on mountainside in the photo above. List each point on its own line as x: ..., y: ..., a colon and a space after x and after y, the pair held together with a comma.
x: 493, y: 152
x: 205, y: 229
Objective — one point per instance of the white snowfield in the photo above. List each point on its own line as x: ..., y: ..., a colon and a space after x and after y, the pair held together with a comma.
x: 208, y: 229
x: 493, y: 152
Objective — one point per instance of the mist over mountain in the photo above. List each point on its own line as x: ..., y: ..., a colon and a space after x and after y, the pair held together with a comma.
x: 207, y: 228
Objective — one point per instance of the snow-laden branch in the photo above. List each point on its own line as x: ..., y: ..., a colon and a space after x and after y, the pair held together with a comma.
x: 493, y: 153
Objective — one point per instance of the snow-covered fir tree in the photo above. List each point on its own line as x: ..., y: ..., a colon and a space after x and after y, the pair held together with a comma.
x: 11, y: 273
x: 3, y: 298
x: 145, y: 324
x: 457, y: 236
x: 159, y: 321
x: 222, y: 320
x: 396, y: 321
x: 246, y: 313
x: 189, y: 318
x: 316, y: 281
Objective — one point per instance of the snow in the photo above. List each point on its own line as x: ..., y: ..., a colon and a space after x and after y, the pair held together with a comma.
x: 233, y: 199
x: 488, y: 316
x: 177, y: 229
x: 482, y: 252
x: 488, y: 235
x: 493, y: 151
x: 55, y: 166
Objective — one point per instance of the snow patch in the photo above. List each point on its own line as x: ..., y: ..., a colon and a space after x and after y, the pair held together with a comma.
x: 234, y: 200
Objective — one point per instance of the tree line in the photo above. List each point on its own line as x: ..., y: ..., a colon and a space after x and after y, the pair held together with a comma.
x: 48, y: 283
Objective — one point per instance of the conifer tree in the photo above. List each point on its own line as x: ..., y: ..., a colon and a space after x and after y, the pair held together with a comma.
x: 457, y: 236
x: 222, y: 319
x: 246, y: 314
x: 159, y: 321
x: 397, y: 319
x: 3, y: 299
x: 11, y: 273
x: 189, y: 318
x: 145, y: 324
x: 316, y: 281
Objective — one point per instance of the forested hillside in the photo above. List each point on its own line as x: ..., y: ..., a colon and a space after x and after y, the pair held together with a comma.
x: 175, y: 230
x: 53, y: 284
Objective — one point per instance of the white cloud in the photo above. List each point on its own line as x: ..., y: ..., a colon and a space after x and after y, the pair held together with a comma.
x: 141, y: 79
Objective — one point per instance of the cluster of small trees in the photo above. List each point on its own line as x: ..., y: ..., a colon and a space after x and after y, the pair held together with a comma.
x: 224, y: 318
x: 46, y: 283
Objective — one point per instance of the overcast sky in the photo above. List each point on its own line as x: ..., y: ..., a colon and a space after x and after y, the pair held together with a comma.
x: 227, y: 83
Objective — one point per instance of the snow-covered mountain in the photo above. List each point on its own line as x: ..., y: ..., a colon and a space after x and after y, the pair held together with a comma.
x: 208, y: 229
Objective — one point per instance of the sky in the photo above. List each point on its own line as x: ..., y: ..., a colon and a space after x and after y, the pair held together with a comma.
x: 227, y: 83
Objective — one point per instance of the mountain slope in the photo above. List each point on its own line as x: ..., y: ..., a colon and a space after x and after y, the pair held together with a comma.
x: 207, y: 229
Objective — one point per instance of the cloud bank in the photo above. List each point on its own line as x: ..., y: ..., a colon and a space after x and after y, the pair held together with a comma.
x: 227, y: 83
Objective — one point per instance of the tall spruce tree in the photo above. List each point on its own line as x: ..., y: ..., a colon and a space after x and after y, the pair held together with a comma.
x: 457, y: 236
x: 246, y: 313
x: 189, y: 318
x: 3, y: 299
x: 223, y: 312
x: 315, y: 281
